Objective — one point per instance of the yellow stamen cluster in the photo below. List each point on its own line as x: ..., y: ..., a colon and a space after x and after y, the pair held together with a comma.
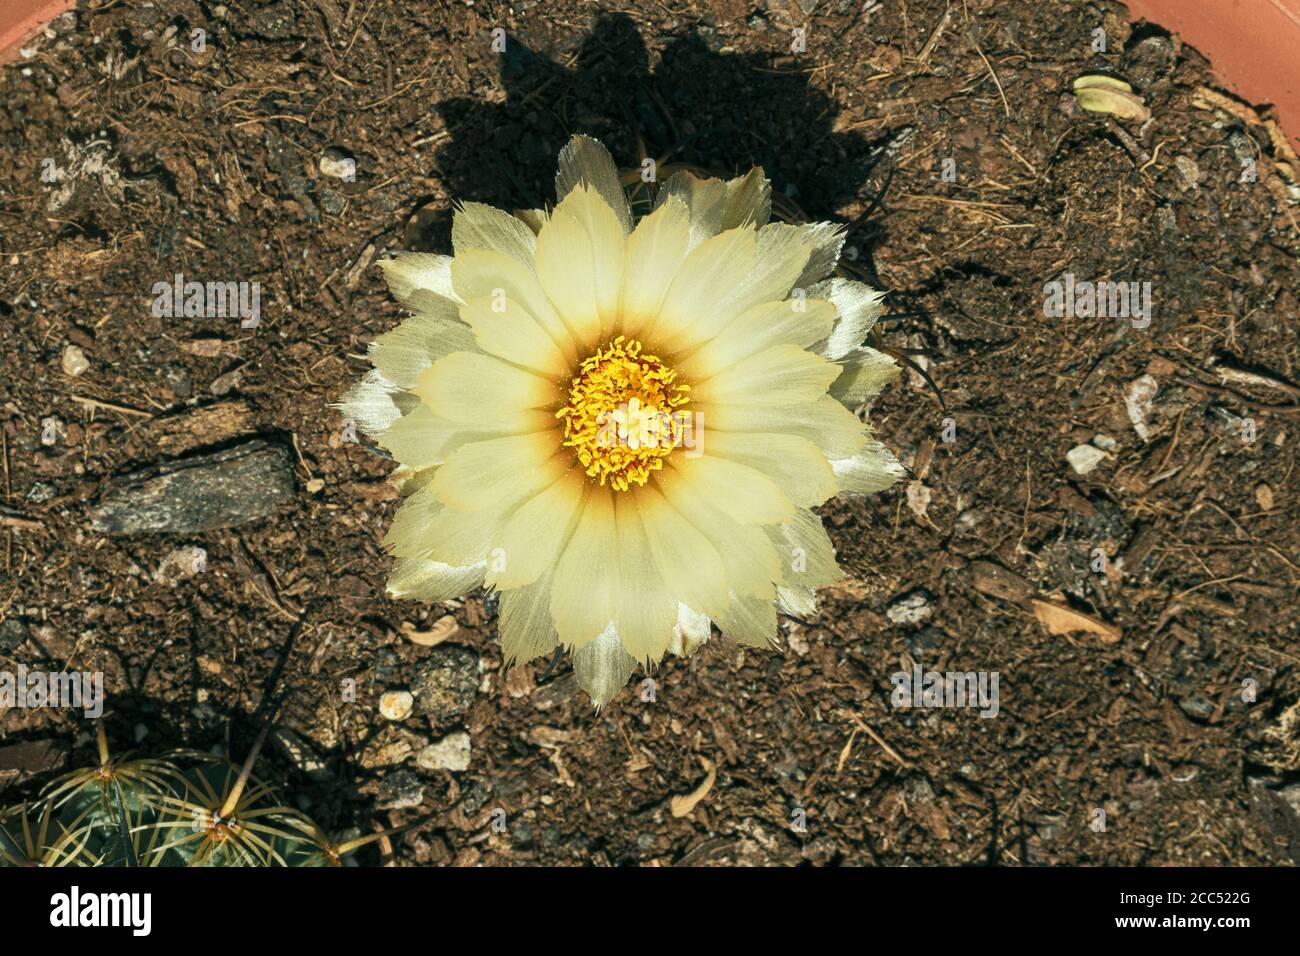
x: 623, y: 416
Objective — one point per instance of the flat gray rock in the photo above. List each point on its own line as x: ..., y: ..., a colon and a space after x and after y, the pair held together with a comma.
x: 198, y: 493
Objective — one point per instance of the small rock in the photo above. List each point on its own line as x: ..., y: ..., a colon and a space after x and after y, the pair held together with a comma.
x: 1264, y: 497
x: 1197, y: 706
x: 13, y: 631
x: 227, y: 383
x: 181, y: 565
x: 446, y: 681
x: 1104, y: 442
x: 450, y: 753
x: 338, y: 163
x: 552, y: 738
x: 1189, y: 174
x: 400, y: 790
x: 1085, y: 458
x: 40, y: 493
x: 1138, y: 395
x: 199, y: 493
x: 912, y: 608
x: 179, y: 380
x: 918, y: 499
x: 74, y: 360
x: 396, y: 704
x: 1150, y: 60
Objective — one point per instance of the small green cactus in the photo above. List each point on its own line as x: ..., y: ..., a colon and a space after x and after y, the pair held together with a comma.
x: 188, y: 809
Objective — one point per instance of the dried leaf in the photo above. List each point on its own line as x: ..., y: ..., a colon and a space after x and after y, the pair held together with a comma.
x: 682, y: 805
x: 1061, y: 619
x: 442, y: 629
x: 1122, y: 105
x: 1092, y: 81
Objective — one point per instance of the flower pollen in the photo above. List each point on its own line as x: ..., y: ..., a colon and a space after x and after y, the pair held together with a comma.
x: 623, y: 414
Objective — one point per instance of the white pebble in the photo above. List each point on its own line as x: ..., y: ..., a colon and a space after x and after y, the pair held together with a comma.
x: 74, y: 360
x: 1084, y: 458
x: 449, y: 753
x: 396, y: 704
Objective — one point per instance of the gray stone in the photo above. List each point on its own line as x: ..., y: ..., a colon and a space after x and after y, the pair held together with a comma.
x: 198, y: 493
x: 400, y: 790
x: 13, y: 631
x: 445, y: 682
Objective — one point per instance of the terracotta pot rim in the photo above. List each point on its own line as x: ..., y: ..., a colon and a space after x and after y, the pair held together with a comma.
x: 21, y: 20
x: 1250, y: 48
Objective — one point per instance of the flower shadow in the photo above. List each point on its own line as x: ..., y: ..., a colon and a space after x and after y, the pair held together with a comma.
x: 723, y: 111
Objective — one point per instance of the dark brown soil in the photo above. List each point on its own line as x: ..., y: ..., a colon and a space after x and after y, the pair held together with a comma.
x: 206, y: 164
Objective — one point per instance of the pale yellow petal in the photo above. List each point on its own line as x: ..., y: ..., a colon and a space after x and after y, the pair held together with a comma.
x: 420, y: 439
x: 537, y: 531
x: 857, y: 307
x: 864, y: 373
x: 525, y: 622
x: 750, y: 621
x: 874, y: 469
x: 586, y: 161
x: 806, y: 553
x: 692, y: 631
x: 749, y: 200
x: 585, y: 588
x: 706, y: 276
x: 646, y: 610
x: 430, y: 582
x: 476, y: 226
x: 463, y: 537
x: 414, y: 272
x: 791, y: 322
x: 408, y: 534
x: 800, y: 602
x: 504, y: 328
x: 486, y: 474
x: 372, y: 403
x: 826, y: 240
x: 825, y: 422
x: 483, y: 273
x: 749, y: 561
x: 479, y: 389
x: 580, y: 265
x: 795, y: 464
x: 781, y: 253
x: 705, y: 198
x: 652, y: 256
x: 780, y: 375
x: 740, y: 492
x: 534, y: 219
x: 689, y: 564
x: 603, y: 666
x: 417, y: 342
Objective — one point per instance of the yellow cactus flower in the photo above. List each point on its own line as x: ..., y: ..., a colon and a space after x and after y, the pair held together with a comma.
x: 622, y: 426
